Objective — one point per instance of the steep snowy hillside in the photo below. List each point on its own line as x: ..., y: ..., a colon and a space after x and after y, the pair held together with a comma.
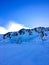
x: 25, y: 47
x: 26, y: 35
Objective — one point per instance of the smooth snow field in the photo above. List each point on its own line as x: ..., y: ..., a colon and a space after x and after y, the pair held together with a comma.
x: 26, y: 53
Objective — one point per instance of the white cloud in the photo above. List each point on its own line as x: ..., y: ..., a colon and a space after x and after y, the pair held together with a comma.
x: 3, y: 30
x: 10, y: 27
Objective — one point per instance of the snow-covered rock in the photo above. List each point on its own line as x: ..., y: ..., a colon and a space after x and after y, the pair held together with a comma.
x: 25, y: 47
x: 24, y: 35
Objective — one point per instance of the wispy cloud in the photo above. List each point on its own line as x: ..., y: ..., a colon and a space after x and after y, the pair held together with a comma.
x: 10, y: 27
x: 3, y: 30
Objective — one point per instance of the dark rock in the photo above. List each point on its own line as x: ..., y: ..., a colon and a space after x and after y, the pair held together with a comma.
x: 21, y: 32
x: 7, y: 35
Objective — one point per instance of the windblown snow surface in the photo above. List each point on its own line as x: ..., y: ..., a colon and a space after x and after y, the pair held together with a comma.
x: 25, y: 47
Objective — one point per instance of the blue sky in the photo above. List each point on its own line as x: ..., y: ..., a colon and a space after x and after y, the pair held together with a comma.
x: 30, y: 13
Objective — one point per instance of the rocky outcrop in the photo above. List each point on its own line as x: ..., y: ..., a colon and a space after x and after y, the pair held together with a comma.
x: 40, y: 30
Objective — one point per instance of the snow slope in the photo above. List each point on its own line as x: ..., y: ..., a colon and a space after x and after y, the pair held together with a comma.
x: 25, y: 47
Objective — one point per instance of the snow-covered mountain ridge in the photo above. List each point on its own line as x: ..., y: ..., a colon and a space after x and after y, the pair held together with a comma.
x: 25, y: 47
x: 24, y: 35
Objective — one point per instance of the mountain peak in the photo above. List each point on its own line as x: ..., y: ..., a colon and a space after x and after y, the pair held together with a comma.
x: 24, y: 35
